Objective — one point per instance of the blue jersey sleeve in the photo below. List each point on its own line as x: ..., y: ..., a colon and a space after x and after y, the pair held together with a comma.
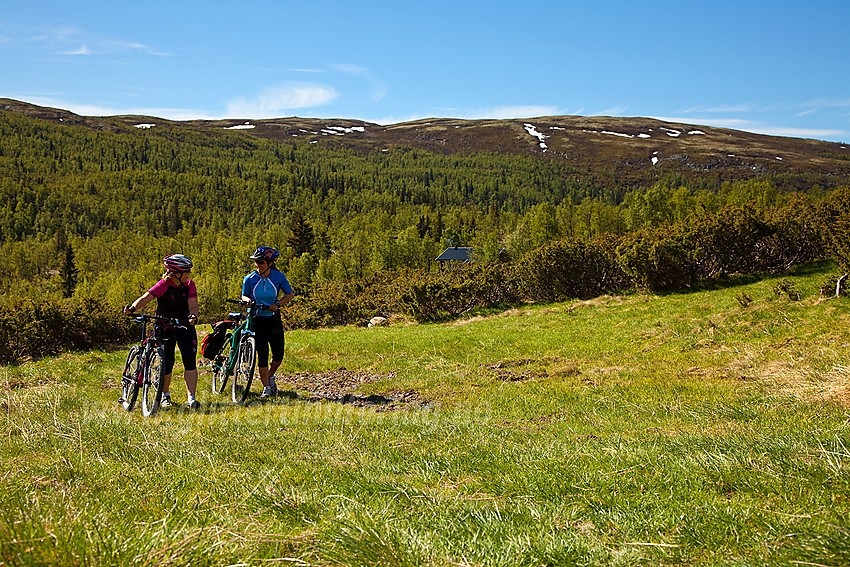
x: 246, y: 287
x: 283, y: 284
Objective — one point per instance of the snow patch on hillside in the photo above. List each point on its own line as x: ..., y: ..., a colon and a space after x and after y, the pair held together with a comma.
x: 333, y: 131
x: 246, y: 126
x: 145, y: 126
x: 345, y: 130
x: 620, y: 134
x: 532, y: 131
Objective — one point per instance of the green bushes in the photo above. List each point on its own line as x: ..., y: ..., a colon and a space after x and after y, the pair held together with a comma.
x: 833, y: 219
x: 658, y: 259
x: 439, y: 296
x: 710, y: 247
x: 570, y: 269
x: 30, y: 329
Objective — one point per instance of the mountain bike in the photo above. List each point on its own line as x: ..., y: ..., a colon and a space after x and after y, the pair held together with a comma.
x: 143, y: 368
x: 238, y: 357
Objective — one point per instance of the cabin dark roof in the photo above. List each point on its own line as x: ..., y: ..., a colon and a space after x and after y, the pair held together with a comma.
x: 456, y: 253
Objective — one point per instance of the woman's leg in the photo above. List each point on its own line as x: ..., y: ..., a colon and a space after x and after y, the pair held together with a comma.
x: 188, y: 343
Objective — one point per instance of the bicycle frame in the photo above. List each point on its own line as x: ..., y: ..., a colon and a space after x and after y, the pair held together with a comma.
x: 239, y: 332
x: 225, y: 369
x: 139, y: 361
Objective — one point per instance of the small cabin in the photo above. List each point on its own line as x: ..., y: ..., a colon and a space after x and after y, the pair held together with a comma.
x: 455, y: 255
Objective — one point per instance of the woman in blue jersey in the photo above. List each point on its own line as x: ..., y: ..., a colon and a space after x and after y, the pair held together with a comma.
x: 264, y: 287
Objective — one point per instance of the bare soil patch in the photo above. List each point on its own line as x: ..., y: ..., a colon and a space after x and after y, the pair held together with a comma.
x: 341, y: 386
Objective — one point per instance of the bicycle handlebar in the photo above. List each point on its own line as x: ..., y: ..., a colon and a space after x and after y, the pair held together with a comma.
x: 174, y: 323
x: 243, y: 303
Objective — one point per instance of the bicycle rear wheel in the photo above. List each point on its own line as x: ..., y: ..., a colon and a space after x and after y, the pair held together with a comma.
x: 220, y: 364
x: 243, y: 373
x: 152, y: 388
x: 130, y: 379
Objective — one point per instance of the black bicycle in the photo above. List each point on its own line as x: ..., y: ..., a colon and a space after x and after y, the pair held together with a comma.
x: 144, y: 370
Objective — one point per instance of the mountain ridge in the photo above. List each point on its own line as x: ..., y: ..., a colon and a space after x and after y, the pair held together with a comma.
x: 634, y: 150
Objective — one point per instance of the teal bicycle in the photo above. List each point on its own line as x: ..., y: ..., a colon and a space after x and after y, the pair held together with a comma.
x: 237, y: 360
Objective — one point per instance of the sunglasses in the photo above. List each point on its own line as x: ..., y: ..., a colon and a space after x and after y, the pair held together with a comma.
x: 259, y: 261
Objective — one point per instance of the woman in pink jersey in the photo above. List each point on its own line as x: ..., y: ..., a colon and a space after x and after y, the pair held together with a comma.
x: 177, y: 298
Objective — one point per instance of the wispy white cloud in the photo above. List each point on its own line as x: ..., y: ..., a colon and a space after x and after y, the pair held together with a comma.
x: 56, y: 34
x: 744, y: 107
x: 273, y: 102
x: 82, y: 50
x: 613, y: 111
x: 827, y: 102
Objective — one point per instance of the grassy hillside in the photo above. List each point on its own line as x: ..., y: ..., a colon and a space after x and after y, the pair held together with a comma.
x: 697, y: 429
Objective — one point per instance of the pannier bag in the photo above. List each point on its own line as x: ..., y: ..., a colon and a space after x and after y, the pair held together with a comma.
x: 212, y: 344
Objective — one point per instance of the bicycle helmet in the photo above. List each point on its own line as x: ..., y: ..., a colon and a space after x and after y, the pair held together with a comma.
x: 266, y: 253
x: 177, y: 263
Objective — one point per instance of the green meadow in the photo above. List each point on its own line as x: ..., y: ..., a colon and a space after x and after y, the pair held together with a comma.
x: 704, y: 428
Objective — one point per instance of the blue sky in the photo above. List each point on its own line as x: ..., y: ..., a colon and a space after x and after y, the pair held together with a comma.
x: 776, y: 67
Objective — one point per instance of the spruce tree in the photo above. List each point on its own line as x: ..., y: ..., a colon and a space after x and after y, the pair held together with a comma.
x: 68, y: 272
x: 302, y: 239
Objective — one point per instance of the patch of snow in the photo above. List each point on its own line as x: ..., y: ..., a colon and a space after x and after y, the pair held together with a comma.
x: 696, y: 132
x: 145, y: 126
x: 345, y: 130
x: 246, y: 126
x: 642, y: 135
x: 672, y: 133
x: 779, y: 158
x: 532, y: 131
x: 618, y: 134
x: 654, y: 160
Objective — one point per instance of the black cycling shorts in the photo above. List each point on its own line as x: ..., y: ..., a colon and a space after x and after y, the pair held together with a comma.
x: 268, y: 332
x: 187, y: 340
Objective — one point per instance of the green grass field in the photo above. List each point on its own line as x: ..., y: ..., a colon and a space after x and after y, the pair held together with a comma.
x: 685, y: 429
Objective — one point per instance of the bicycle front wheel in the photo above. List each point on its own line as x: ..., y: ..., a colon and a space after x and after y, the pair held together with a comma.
x: 220, y: 364
x: 130, y: 379
x: 152, y: 387
x: 243, y: 373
